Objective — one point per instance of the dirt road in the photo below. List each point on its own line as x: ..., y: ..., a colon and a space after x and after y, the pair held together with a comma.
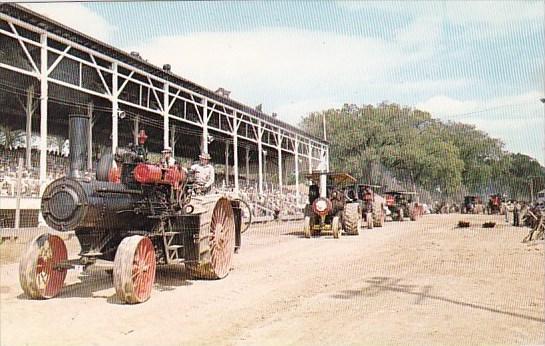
x: 418, y: 283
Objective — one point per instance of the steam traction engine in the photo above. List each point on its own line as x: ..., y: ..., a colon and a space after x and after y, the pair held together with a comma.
x: 372, y: 205
x: 138, y: 216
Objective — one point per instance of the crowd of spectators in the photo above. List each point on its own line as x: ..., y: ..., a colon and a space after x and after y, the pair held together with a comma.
x: 271, y: 202
x: 30, y: 184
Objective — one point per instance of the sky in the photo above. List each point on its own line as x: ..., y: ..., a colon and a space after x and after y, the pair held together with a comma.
x: 480, y: 63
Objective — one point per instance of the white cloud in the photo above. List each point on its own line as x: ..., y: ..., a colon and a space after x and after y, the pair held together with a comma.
x: 422, y: 33
x: 285, y: 57
x: 77, y: 16
x: 518, y: 120
x: 279, y: 67
x: 478, y: 19
x: 447, y: 107
x: 493, y: 12
x: 294, y: 110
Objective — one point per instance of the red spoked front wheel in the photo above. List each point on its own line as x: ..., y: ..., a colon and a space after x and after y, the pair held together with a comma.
x: 134, y: 269
x: 40, y: 275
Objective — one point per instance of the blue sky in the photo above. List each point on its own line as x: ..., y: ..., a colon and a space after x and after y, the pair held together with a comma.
x: 475, y: 62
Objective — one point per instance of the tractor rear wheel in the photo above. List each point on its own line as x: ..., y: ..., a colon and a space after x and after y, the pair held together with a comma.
x: 352, y: 218
x: 335, y: 227
x: 38, y: 275
x: 134, y: 269
x: 217, y: 242
x: 307, y: 227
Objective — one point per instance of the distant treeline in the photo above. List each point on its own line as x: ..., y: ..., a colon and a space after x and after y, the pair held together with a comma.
x: 446, y: 157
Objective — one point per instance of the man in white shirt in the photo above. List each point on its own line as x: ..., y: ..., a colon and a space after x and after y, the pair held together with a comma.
x: 204, y: 173
x: 167, y: 161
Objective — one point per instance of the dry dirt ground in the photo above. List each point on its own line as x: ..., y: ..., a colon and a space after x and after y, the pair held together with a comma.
x: 410, y: 283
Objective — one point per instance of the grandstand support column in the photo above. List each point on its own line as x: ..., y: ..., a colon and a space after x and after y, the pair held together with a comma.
x: 29, y: 110
x: 247, y: 166
x: 90, y: 137
x: 309, y: 158
x: 173, y: 139
x: 279, y: 149
x: 260, y: 156
x: 235, y: 151
x: 204, y: 142
x: 43, y: 119
x: 296, y: 145
x: 115, y: 107
x: 43, y: 112
x: 166, y: 136
x: 136, y: 129
x: 226, y: 171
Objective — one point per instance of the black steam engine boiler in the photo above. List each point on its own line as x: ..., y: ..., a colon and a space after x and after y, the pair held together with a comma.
x: 135, y: 214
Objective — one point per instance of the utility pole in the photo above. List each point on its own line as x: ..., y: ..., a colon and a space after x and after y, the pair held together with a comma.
x: 543, y: 101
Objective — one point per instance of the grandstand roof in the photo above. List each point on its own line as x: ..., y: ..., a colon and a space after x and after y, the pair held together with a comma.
x: 28, y: 16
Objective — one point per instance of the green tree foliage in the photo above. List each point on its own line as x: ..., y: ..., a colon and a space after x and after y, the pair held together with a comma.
x: 435, y: 155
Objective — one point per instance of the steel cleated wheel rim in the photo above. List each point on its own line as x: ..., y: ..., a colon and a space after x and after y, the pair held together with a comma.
x: 39, y: 274
x: 222, y: 238
x: 134, y: 269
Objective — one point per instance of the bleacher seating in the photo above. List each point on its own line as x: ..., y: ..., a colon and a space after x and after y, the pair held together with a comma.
x: 271, y: 204
x: 56, y: 166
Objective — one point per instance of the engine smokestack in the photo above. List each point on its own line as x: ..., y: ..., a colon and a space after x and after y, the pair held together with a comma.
x: 78, y: 137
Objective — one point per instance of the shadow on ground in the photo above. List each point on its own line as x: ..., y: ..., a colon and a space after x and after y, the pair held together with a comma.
x: 378, y: 285
x: 167, y: 278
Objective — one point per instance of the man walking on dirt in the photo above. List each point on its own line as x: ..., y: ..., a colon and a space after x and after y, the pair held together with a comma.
x: 204, y: 173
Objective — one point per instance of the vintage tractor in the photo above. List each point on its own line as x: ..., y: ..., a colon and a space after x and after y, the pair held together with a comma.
x: 130, y: 220
x: 495, y: 204
x: 401, y: 205
x: 472, y: 205
x: 332, y: 205
x: 372, y: 205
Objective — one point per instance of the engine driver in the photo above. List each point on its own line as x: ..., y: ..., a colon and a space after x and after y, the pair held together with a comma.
x: 204, y: 173
x: 167, y: 161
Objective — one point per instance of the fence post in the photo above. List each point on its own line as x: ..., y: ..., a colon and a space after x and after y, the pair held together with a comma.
x: 18, y: 196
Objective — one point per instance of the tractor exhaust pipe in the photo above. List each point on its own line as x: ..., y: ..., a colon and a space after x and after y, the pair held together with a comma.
x: 78, y: 132
x: 323, y: 185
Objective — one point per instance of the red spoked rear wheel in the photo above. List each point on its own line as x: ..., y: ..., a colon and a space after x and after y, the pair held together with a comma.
x: 39, y: 273
x: 222, y: 238
x: 134, y: 269
x: 217, y: 242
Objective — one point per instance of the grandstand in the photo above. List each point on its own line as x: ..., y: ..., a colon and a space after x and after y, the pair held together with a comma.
x: 50, y: 70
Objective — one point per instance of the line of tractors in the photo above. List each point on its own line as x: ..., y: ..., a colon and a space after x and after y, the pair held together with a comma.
x: 143, y: 214
x: 338, y: 204
x: 473, y: 204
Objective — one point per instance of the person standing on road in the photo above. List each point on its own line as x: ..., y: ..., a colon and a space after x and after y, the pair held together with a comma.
x: 516, y: 214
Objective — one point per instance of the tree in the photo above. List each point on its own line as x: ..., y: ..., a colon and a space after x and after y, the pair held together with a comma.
x: 420, y: 150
